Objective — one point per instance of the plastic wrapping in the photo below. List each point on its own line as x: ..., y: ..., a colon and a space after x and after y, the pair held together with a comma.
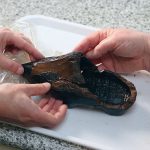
x: 9, y: 77
x: 29, y: 30
x: 20, y: 57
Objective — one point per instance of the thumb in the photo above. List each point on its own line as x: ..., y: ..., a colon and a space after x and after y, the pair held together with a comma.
x: 10, y: 65
x: 105, y: 46
x: 35, y: 89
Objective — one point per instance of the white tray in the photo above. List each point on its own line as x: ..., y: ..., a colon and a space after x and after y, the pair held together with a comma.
x: 88, y: 127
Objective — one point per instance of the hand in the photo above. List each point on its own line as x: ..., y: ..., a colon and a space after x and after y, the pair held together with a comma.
x: 17, y: 106
x: 119, y: 50
x: 12, y: 41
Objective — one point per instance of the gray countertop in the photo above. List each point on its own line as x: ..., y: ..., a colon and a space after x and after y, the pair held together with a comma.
x: 98, y: 13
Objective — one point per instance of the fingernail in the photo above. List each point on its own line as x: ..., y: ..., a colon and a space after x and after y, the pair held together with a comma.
x: 47, y: 85
x: 20, y: 70
x: 101, y: 68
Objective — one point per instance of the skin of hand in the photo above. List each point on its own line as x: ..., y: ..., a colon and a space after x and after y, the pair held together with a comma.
x: 13, y: 41
x: 119, y: 50
x: 17, y: 106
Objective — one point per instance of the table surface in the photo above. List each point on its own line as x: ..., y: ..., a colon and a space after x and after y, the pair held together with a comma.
x: 104, y: 13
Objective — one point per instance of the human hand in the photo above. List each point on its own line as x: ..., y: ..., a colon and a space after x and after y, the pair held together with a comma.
x: 17, y: 106
x: 119, y: 50
x: 12, y: 41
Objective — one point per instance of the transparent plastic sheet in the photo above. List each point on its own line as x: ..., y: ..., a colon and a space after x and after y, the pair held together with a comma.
x: 20, y: 57
x: 9, y: 77
x: 29, y: 30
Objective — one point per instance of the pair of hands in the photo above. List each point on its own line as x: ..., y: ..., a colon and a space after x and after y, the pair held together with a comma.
x: 119, y: 50
x: 16, y: 104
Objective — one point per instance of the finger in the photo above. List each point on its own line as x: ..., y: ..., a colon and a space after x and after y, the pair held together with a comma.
x: 43, y: 102
x: 30, y: 49
x: 20, y: 43
x: 96, y: 61
x: 14, y: 50
x: 35, y: 89
x: 48, y: 120
x: 32, y: 58
x: 101, y: 49
x: 60, y: 114
x: 88, y: 43
x: 101, y: 67
x: 49, y: 105
x: 27, y: 39
x: 56, y: 106
x: 10, y: 65
x: 109, y: 63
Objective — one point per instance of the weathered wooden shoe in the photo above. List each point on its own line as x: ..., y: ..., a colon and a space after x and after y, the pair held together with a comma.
x: 78, y: 82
